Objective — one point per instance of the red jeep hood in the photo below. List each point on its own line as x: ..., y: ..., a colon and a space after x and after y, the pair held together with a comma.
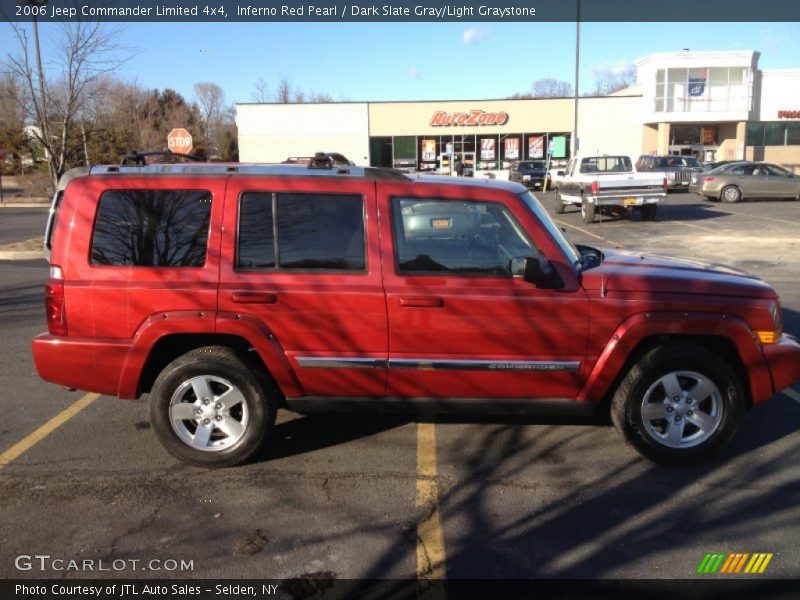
x: 634, y: 272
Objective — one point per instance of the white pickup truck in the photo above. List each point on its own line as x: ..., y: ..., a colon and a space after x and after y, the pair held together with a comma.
x: 609, y: 184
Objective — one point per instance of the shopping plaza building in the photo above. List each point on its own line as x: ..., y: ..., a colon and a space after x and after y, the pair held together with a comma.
x: 712, y: 105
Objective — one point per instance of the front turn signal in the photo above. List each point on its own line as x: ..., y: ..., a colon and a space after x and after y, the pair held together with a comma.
x: 769, y: 337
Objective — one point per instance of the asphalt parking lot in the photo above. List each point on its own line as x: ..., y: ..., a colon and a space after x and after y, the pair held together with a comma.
x: 353, y: 497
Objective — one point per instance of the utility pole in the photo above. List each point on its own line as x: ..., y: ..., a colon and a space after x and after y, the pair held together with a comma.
x: 574, y: 140
x: 45, y: 121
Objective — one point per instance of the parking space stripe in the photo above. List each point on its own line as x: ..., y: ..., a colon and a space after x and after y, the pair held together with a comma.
x: 430, y: 539
x: 589, y: 233
x: 42, y: 432
x: 792, y: 393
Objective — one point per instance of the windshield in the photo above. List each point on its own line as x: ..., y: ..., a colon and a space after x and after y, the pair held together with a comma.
x: 568, y: 248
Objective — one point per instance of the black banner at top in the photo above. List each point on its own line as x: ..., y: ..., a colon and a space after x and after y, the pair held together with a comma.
x: 398, y: 10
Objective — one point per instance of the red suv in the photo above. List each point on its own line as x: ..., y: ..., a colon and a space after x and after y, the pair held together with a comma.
x: 226, y: 292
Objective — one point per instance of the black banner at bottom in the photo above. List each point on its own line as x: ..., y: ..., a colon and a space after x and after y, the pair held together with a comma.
x: 328, y: 587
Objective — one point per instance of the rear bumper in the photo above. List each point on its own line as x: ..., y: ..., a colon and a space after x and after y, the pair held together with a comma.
x: 633, y: 200
x: 783, y: 360
x: 94, y: 365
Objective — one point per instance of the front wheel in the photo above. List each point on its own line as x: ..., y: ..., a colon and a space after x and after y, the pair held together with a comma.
x: 209, y: 409
x: 678, y: 405
x: 587, y: 211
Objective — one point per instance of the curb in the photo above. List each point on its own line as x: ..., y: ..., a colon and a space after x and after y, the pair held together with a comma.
x: 24, y: 205
x: 21, y: 254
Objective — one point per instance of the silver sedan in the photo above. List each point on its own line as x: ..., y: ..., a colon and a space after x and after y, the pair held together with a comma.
x: 731, y: 183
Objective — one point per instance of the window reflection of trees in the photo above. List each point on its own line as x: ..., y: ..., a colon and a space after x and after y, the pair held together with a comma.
x: 152, y: 228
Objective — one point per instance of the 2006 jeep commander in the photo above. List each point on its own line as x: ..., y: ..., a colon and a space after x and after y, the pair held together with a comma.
x: 229, y: 291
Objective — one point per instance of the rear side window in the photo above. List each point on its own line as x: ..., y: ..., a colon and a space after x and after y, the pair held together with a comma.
x: 301, y: 231
x: 606, y: 164
x: 151, y: 228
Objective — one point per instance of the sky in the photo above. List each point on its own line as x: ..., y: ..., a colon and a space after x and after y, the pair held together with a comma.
x: 409, y: 61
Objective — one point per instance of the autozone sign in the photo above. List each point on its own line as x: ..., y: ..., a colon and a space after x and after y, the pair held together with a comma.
x: 473, y: 118
x: 789, y: 114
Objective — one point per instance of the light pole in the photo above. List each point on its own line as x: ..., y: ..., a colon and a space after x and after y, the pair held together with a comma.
x: 574, y: 140
x: 40, y: 73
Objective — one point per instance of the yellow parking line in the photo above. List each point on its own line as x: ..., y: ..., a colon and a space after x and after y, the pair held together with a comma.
x: 42, y: 432
x: 430, y: 540
x: 589, y: 233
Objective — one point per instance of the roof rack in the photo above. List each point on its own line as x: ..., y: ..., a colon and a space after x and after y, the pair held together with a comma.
x: 139, y: 159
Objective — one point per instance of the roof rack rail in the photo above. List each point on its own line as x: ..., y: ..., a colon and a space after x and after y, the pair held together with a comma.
x: 139, y: 159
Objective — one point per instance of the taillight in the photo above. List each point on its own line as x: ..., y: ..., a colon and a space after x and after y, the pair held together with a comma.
x: 595, y: 187
x: 665, y: 185
x: 708, y: 179
x: 55, y: 307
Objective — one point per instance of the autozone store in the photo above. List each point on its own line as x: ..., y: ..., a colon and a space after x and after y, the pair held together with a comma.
x: 487, y: 135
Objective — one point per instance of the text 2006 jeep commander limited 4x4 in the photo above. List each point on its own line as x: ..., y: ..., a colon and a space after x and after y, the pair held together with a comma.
x: 229, y: 291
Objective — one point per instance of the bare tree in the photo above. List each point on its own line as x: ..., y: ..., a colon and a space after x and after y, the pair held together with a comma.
x: 283, y: 93
x: 211, y: 100
x: 612, y: 79
x: 546, y: 88
x: 53, y: 102
x: 551, y: 88
x: 260, y: 92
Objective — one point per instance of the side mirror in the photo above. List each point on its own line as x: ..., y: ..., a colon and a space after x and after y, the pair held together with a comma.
x: 536, y: 270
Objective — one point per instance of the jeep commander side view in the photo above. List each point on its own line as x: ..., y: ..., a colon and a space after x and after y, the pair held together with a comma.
x: 226, y: 292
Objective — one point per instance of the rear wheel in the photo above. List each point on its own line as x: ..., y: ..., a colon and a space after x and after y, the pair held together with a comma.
x: 731, y: 194
x: 209, y: 409
x: 648, y: 212
x: 559, y: 201
x: 587, y: 210
x: 678, y: 405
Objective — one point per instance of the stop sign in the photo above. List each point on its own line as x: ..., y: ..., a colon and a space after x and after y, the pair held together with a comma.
x: 179, y: 141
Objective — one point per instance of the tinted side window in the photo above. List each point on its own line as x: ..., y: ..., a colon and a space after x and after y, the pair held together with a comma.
x: 151, y: 228
x: 447, y: 236
x: 314, y: 231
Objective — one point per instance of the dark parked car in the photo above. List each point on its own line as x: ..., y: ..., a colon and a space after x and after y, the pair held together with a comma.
x: 731, y: 183
x: 677, y: 169
x: 530, y: 173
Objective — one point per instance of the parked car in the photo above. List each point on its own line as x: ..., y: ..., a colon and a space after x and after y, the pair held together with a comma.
x: 226, y: 292
x: 320, y: 158
x: 677, y: 169
x: 609, y: 184
x: 732, y: 182
x: 530, y: 173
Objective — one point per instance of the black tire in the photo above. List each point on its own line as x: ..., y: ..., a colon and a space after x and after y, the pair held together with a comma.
x: 559, y: 201
x: 648, y: 212
x: 721, y: 409
x: 587, y: 210
x: 731, y: 194
x: 221, y: 371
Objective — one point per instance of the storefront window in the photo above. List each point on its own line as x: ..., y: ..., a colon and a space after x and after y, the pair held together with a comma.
x: 405, y: 152
x: 775, y: 133
x: 713, y: 89
x: 793, y: 134
x: 380, y: 152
